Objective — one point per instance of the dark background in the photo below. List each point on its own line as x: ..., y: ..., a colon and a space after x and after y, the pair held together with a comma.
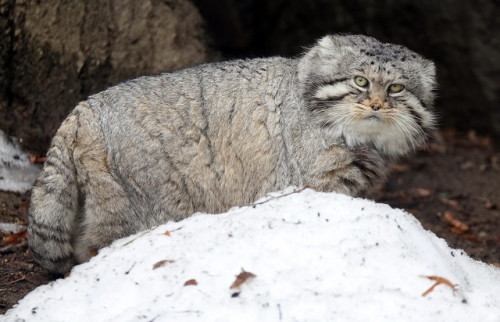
x: 54, y: 53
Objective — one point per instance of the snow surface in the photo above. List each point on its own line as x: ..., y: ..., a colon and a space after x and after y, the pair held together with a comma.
x: 316, y: 257
x: 9, y: 228
x: 17, y: 173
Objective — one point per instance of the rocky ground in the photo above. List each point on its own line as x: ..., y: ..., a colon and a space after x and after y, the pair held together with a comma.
x: 453, y: 188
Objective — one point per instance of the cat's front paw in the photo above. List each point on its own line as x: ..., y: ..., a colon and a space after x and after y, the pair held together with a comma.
x: 371, y: 165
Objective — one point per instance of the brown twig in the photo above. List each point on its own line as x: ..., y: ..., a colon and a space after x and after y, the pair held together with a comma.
x: 439, y: 280
x: 286, y: 194
x: 140, y: 235
x: 11, y: 248
x: 22, y: 278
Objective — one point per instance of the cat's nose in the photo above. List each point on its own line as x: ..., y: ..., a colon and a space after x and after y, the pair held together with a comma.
x: 375, y: 106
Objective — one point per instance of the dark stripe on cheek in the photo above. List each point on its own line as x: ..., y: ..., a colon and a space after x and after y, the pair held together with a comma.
x: 428, y: 131
x: 316, y: 105
x: 418, y: 99
x: 334, y: 81
x: 415, y: 115
x: 412, y: 110
x: 315, y: 85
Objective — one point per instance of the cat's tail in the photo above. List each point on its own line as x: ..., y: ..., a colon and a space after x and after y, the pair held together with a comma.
x: 54, y: 203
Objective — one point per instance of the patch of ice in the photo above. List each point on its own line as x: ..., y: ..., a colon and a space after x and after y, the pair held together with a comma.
x: 17, y: 173
x: 8, y: 228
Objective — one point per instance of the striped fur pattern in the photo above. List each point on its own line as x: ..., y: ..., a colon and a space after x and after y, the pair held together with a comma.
x: 207, y: 138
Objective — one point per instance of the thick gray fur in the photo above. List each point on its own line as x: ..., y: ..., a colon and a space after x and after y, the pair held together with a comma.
x: 207, y: 138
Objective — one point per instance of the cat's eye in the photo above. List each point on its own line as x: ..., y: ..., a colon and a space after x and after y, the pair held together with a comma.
x: 395, y: 88
x: 361, y: 81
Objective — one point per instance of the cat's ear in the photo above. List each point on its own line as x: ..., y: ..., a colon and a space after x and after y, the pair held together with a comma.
x: 329, y: 46
x: 324, y: 55
x: 325, y: 49
x: 326, y: 45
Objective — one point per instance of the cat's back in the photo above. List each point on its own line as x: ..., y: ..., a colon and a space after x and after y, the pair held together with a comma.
x: 212, y: 93
x: 226, y: 79
x: 207, y: 130
x: 203, y: 97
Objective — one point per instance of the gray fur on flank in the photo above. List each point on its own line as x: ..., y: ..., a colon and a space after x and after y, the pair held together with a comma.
x: 207, y: 138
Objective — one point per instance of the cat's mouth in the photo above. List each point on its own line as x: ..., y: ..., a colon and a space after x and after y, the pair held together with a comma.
x: 372, y: 117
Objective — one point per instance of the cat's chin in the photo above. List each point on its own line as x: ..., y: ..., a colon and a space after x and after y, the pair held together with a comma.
x: 386, y: 138
x: 372, y: 118
x: 386, y: 142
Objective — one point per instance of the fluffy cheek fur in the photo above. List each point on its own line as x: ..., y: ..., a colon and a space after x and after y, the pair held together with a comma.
x: 394, y: 131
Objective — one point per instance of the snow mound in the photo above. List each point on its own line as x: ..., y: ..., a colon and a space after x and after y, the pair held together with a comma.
x: 17, y: 173
x: 316, y: 257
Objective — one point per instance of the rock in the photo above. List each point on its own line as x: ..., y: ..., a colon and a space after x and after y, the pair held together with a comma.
x: 55, y: 53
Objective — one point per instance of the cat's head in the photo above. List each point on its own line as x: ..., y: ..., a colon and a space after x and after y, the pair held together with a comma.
x: 369, y: 93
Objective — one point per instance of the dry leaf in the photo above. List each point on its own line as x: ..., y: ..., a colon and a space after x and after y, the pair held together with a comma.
x: 450, y: 202
x: 191, y: 282
x: 489, y: 205
x: 38, y: 159
x: 168, y: 233
x: 448, y: 134
x: 455, y: 223
x: 24, y: 207
x: 162, y: 263
x: 16, y: 238
x: 468, y: 165
x: 439, y: 280
x: 404, y: 195
x: 436, y: 147
x: 495, y: 161
x: 456, y: 231
x: 241, y: 278
x: 400, y: 167
x: 471, y: 238
x: 421, y: 192
x: 478, y: 141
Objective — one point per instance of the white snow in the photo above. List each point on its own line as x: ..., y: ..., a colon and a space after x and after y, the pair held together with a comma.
x: 9, y: 228
x: 17, y: 173
x: 316, y: 257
